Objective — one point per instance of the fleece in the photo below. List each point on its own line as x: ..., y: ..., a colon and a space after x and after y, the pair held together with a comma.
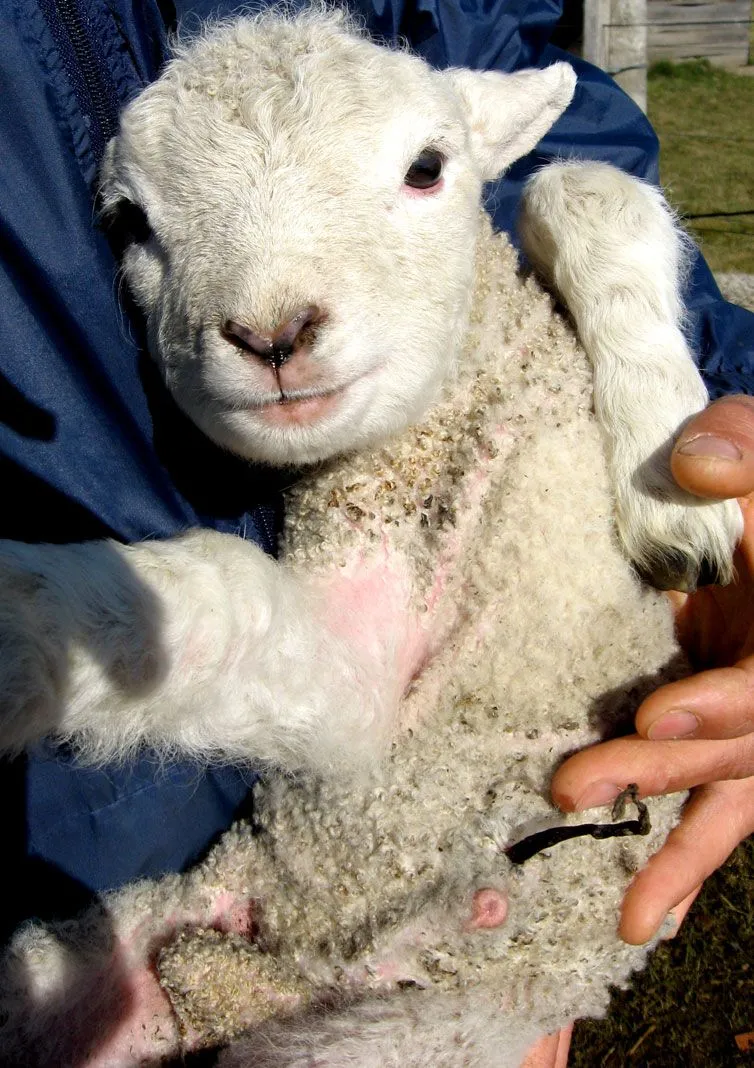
x: 380, y: 921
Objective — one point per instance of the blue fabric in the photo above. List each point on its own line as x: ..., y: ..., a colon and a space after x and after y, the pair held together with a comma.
x: 90, y: 442
x: 89, y: 439
x: 63, y: 796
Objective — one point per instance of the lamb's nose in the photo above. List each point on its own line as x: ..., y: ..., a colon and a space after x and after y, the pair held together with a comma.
x: 281, y: 343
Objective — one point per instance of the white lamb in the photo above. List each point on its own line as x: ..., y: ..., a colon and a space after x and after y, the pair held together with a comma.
x: 308, y: 211
x: 317, y: 277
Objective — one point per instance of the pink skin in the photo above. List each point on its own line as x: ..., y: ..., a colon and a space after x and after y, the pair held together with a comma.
x: 551, y: 1051
x: 489, y: 909
x: 419, y: 194
x: 123, y: 1016
x: 369, y: 605
x: 300, y: 412
x: 142, y: 1023
x: 126, y: 991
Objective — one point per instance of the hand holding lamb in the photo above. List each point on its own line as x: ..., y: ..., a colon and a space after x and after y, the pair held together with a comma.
x: 697, y: 732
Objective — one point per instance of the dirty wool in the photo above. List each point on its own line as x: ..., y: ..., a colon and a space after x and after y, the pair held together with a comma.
x: 380, y: 921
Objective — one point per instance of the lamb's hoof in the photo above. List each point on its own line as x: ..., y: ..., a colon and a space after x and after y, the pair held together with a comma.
x: 676, y: 541
x: 674, y: 570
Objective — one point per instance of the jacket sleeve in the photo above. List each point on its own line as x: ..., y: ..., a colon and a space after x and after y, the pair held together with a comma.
x: 90, y: 445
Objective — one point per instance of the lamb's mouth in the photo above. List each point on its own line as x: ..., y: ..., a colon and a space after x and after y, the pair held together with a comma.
x: 299, y: 409
x: 303, y: 407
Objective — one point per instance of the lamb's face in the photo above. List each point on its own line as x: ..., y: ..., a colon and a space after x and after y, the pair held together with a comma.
x: 311, y: 211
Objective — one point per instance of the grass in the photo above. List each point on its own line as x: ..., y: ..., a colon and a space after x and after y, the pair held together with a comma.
x: 697, y: 993
x: 704, y: 117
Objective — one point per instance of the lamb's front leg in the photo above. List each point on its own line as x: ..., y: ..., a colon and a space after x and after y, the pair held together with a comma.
x: 610, y: 246
x: 201, y: 645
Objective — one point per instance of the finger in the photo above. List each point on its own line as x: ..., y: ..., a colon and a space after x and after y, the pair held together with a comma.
x: 564, y: 1045
x: 712, y: 704
x: 596, y: 776
x: 551, y: 1051
x: 714, y: 454
x: 716, y: 819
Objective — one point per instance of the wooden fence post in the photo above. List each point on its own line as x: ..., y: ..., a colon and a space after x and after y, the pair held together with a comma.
x: 615, y: 39
x: 717, y: 30
x: 596, y: 22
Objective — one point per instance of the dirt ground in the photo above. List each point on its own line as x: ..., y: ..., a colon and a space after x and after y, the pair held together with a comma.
x: 697, y: 994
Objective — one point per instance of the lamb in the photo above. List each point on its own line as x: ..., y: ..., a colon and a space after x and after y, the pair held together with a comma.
x: 281, y: 187
x: 384, y: 923
x: 461, y: 554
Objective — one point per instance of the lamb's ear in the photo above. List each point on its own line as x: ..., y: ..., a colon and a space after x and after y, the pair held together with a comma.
x: 509, y: 113
x: 123, y: 220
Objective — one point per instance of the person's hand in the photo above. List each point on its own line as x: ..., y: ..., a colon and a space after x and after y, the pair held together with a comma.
x: 551, y: 1051
x: 699, y: 732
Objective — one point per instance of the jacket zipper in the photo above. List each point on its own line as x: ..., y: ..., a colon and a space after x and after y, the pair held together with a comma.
x: 91, y: 82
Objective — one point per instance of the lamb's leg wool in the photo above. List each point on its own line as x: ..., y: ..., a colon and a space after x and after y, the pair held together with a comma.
x: 612, y: 247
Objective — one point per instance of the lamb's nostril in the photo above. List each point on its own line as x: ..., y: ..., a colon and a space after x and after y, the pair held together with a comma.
x: 282, y: 342
x: 258, y: 344
x: 290, y: 335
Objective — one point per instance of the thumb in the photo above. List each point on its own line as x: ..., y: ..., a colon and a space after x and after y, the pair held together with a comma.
x: 714, y: 454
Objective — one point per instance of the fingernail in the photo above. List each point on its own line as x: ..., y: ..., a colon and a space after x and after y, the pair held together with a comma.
x: 599, y: 793
x: 708, y: 446
x: 676, y: 724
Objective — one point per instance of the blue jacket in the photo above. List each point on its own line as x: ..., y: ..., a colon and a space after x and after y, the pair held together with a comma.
x: 84, y: 420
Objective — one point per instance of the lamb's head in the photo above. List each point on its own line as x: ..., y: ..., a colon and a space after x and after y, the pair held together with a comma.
x: 303, y: 207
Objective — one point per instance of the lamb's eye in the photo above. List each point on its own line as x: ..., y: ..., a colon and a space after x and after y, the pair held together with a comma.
x: 426, y: 170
